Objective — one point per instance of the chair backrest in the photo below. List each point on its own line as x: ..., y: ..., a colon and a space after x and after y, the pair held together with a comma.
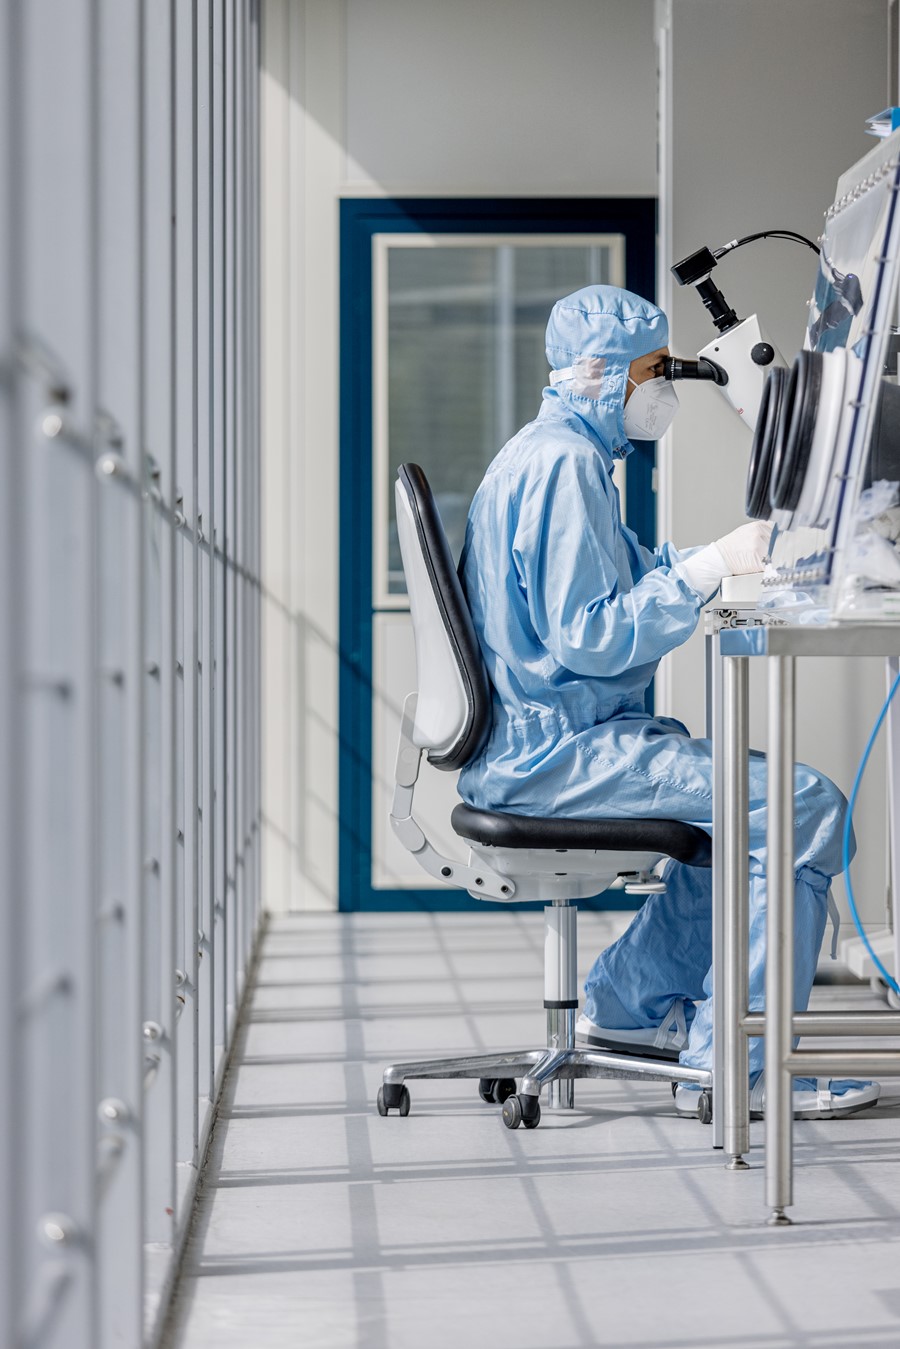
x: 453, y: 711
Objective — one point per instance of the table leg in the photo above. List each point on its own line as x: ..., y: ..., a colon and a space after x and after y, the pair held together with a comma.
x: 715, y: 731
x: 893, y: 832
x: 780, y: 938
x: 734, y: 991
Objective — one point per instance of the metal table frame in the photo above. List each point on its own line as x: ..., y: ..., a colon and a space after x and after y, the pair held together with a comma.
x: 728, y: 714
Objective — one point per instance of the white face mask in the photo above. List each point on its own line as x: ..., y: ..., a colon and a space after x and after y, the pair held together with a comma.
x: 650, y: 409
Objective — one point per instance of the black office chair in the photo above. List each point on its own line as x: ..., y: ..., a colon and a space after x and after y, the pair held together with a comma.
x: 511, y: 857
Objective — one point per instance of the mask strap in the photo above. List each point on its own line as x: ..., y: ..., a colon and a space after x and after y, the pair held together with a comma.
x: 560, y: 376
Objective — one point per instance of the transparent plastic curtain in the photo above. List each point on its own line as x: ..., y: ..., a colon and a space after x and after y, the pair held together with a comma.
x: 836, y: 480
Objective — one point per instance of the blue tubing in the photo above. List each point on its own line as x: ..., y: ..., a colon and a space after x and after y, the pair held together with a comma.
x: 848, y: 829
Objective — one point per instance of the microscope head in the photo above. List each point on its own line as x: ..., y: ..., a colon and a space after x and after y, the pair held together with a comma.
x: 737, y: 359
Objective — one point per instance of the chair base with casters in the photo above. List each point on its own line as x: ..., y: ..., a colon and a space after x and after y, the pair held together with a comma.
x: 557, y: 861
x: 511, y: 857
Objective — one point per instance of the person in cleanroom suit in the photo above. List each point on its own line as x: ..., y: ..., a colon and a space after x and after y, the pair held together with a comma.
x: 573, y: 615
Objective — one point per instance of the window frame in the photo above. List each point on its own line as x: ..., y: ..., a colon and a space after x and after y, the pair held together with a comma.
x: 361, y: 219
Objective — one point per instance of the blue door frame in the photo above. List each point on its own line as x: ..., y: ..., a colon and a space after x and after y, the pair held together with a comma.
x: 361, y: 219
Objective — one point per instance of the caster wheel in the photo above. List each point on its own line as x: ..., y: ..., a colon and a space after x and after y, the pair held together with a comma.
x: 511, y: 1112
x: 521, y: 1110
x: 882, y: 989
x: 392, y: 1097
x: 704, y: 1108
x: 531, y: 1114
x: 496, y: 1090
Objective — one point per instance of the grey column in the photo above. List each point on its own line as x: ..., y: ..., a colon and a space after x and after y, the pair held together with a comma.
x: 560, y: 986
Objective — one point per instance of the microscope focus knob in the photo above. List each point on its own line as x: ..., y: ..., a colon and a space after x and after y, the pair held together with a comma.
x: 763, y: 353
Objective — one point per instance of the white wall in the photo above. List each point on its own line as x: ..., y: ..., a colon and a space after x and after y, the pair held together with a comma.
x: 302, y: 117
x: 517, y: 97
x: 766, y: 106
x: 501, y: 97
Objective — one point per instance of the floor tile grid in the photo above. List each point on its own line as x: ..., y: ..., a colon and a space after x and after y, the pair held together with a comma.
x: 456, y: 1195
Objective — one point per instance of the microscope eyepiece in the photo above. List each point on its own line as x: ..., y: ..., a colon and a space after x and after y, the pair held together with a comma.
x: 675, y: 368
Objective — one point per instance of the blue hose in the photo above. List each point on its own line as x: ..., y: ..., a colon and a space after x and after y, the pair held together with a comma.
x: 848, y: 829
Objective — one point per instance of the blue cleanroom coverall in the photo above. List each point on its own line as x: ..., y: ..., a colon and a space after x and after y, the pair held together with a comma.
x: 573, y: 616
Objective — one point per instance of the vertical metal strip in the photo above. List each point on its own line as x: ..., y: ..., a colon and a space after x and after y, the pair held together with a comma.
x: 253, y: 327
x: 219, y: 935
x: 185, y: 143
x: 240, y: 474
x: 252, y: 451
x: 256, y: 273
x: 257, y: 458
x: 158, y: 438
x: 206, y: 596
x: 14, y: 1254
x: 228, y: 532
x: 58, y: 347
x: 249, y: 570
x: 171, y: 749
x: 253, y: 460
x: 119, y: 1243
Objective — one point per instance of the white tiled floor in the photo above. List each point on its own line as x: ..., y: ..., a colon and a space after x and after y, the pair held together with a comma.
x: 322, y: 1225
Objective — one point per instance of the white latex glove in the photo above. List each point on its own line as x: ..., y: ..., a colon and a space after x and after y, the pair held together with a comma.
x: 703, y: 571
x: 736, y: 554
x: 744, y: 550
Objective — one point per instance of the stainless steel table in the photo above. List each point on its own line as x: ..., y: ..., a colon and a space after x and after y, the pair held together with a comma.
x: 780, y: 645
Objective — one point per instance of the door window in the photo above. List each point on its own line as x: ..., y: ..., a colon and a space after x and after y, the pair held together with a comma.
x: 459, y: 363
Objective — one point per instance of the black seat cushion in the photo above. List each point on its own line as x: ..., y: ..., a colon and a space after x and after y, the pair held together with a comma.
x: 684, y: 842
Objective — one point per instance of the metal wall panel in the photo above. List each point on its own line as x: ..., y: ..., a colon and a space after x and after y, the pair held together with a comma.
x: 158, y: 438
x: 121, y: 673
x: 206, y: 594
x: 129, y: 612
x: 56, y: 1014
x: 228, y: 517
x: 12, y: 1206
x: 217, y: 537
x: 187, y: 452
